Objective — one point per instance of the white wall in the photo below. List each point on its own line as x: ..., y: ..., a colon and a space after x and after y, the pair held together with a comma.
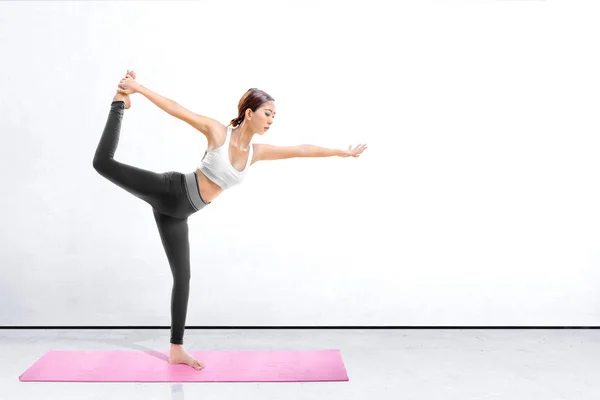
x: 477, y: 202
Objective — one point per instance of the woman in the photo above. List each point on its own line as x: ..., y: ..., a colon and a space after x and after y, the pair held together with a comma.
x: 174, y: 196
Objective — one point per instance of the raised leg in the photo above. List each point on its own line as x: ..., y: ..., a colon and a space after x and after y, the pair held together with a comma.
x: 147, y: 185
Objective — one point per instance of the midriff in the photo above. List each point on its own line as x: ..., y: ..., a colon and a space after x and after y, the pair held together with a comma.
x: 208, y: 189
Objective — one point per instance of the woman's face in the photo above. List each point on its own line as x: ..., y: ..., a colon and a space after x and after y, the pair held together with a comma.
x: 263, y: 117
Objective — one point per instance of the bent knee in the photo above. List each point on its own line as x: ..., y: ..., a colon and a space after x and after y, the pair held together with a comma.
x: 101, y: 164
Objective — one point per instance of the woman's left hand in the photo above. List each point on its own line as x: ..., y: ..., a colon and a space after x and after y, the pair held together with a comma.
x: 354, y: 152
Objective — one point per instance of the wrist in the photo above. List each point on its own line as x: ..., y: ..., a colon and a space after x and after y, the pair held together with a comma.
x: 141, y: 89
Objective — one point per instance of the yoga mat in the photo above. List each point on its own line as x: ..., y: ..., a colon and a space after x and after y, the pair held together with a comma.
x: 220, y: 366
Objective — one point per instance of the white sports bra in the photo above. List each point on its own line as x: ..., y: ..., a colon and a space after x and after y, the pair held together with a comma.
x: 216, y: 166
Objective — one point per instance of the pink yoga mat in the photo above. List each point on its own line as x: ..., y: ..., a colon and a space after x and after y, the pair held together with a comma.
x: 220, y: 366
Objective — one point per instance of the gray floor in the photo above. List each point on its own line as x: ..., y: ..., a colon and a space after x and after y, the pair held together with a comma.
x: 382, y: 364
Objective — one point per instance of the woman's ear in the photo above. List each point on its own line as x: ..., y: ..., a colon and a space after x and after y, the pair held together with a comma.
x: 248, y: 114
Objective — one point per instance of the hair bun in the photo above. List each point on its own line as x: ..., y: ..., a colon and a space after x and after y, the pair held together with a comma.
x: 252, y: 99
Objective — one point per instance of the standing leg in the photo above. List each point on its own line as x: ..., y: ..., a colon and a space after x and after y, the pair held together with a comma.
x: 174, y: 235
x: 147, y: 185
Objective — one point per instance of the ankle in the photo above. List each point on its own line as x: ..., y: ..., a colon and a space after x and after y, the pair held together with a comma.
x: 120, y: 97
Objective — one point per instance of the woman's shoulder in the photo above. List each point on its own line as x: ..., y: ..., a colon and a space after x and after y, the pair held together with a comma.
x: 216, y: 133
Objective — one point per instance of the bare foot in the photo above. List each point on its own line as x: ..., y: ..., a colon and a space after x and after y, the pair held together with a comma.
x: 123, y: 97
x: 178, y: 355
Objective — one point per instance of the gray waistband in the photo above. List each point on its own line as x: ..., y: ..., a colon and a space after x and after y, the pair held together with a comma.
x: 193, y: 190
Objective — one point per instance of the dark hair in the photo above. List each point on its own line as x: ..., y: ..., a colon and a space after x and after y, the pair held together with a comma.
x: 252, y: 99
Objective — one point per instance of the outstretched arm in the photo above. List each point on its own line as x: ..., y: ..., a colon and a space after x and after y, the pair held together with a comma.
x: 204, y: 124
x: 270, y: 152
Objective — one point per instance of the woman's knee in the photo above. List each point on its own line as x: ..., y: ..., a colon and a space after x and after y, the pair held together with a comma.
x: 182, y: 277
x: 98, y: 163
x: 101, y: 164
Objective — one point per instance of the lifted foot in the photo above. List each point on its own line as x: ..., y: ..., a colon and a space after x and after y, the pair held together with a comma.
x: 124, y: 98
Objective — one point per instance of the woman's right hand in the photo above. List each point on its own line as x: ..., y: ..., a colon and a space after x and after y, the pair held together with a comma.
x: 129, y: 85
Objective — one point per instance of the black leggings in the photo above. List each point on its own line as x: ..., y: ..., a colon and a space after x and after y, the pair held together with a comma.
x: 172, y: 199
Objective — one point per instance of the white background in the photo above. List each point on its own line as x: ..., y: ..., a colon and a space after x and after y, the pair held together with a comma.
x: 476, y: 203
